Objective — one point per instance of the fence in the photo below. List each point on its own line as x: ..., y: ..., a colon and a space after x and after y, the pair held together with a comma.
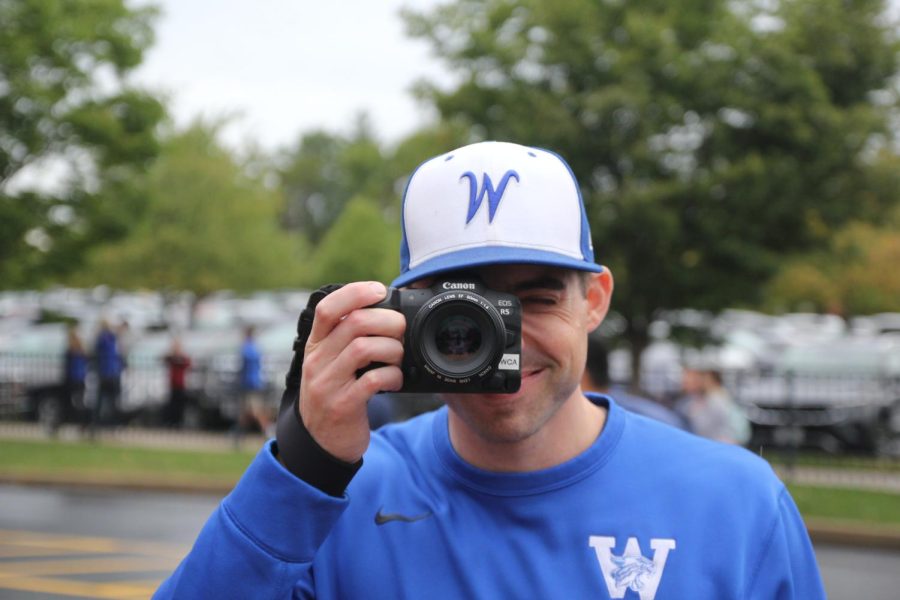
x: 31, y: 382
x: 830, y: 413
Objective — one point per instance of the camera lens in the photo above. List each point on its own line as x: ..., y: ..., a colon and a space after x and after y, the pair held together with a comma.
x: 457, y: 338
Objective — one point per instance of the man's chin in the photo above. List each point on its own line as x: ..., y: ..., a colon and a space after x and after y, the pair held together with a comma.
x: 530, y: 381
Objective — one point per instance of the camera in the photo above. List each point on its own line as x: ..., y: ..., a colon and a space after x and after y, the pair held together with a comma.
x: 461, y: 337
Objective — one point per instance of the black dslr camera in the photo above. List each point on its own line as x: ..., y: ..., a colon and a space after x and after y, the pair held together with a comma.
x: 460, y: 337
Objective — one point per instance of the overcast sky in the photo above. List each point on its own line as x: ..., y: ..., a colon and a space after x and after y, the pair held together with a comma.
x: 283, y: 67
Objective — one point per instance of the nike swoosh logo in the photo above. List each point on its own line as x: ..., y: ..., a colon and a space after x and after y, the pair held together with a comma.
x: 382, y: 517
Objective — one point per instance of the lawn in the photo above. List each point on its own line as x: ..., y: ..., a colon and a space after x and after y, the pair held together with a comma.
x: 830, y: 461
x: 118, y: 464
x: 103, y: 463
x: 847, y: 504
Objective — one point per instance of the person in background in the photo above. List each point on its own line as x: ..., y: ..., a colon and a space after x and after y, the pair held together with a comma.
x: 254, y: 410
x: 596, y: 379
x: 108, y: 363
x: 178, y: 364
x: 738, y: 428
x: 75, y: 375
x: 124, y: 341
x: 381, y: 410
x: 708, y: 407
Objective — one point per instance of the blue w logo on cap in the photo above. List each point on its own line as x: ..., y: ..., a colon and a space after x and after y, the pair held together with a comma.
x: 487, y: 189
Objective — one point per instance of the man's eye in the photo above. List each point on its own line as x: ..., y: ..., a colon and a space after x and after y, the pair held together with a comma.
x: 539, y: 300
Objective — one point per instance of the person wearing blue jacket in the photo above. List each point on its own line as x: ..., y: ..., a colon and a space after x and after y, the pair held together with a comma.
x: 254, y: 411
x: 109, y: 366
x: 546, y: 492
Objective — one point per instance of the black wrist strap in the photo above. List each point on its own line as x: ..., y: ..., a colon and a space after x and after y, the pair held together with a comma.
x: 305, y: 458
x: 297, y: 450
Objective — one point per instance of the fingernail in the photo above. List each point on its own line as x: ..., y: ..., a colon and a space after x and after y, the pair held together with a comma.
x: 379, y: 289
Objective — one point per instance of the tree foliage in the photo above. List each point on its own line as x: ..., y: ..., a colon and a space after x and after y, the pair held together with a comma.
x: 324, y: 172
x: 711, y: 137
x: 344, y: 194
x: 363, y: 244
x: 67, y: 114
x: 855, y: 275
x: 208, y: 226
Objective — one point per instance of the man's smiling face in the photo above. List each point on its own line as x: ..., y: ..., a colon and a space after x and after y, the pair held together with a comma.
x: 559, y: 308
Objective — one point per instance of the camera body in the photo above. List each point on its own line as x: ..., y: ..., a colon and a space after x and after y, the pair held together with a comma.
x: 461, y: 337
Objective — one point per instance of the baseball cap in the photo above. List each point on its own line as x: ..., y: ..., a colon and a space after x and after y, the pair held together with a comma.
x: 493, y: 203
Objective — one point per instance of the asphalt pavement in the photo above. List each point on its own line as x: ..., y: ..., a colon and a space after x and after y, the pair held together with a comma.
x: 824, y: 532
x: 62, y: 543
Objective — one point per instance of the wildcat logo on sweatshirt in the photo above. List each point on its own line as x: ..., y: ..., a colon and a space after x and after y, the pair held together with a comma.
x: 631, y: 570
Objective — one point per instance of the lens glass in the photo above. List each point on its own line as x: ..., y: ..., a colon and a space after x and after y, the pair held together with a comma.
x: 457, y: 338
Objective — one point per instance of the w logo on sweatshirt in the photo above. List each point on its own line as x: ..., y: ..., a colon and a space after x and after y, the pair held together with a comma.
x: 631, y: 570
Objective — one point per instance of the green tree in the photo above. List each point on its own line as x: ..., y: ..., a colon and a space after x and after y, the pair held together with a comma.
x: 209, y: 226
x: 67, y: 114
x: 711, y: 137
x: 363, y: 244
x: 421, y: 145
x: 855, y: 275
x: 325, y: 171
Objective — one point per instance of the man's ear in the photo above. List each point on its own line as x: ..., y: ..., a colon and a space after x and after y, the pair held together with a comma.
x: 599, y: 294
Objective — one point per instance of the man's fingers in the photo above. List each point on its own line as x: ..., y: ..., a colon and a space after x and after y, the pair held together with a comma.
x: 363, y: 351
x: 381, y: 322
x: 338, y: 304
x: 382, y: 379
x: 346, y: 336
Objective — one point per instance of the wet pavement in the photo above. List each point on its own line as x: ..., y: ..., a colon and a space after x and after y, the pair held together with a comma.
x: 59, y: 543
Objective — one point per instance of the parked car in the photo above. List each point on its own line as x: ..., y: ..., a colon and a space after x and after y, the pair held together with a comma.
x: 31, y: 371
x: 838, y: 395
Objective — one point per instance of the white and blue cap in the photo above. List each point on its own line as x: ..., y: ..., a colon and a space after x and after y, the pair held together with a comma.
x: 493, y: 203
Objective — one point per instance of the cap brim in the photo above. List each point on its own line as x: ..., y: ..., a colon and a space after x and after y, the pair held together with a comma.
x: 498, y: 255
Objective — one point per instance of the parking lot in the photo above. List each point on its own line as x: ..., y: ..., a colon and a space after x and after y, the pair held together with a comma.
x: 54, y: 565
x: 58, y: 544
x: 66, y: 543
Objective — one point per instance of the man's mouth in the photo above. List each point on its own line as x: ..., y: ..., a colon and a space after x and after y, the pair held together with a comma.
x: 531, y: 372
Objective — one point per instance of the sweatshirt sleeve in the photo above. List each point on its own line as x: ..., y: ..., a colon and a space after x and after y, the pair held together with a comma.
x: 261, y: 540
x: 787, y: 568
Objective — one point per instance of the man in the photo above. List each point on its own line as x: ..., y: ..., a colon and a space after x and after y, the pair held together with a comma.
x: 109, y: 374
x: 541, y: 493
x: 75, y: 369
x: 177, y: 362
x: 254, y: 411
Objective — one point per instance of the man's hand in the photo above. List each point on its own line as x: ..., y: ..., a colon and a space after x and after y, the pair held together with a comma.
x: 346, y: 336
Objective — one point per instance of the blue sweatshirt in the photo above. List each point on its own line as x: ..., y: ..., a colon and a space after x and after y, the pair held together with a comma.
x: 646, y: 512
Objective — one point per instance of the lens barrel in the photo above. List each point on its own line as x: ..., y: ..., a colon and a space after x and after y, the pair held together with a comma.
x: 459, y: 335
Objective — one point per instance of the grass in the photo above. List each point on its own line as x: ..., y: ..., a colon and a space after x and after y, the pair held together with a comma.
x: 111, y: 463
x: 847, y: 504
x: 852, y: 462
x: 107, y: 462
